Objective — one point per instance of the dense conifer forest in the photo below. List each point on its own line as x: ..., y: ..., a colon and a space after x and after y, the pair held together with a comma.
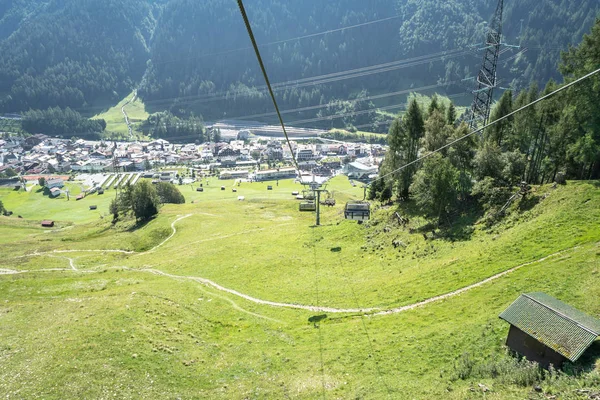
x: 193, y: 58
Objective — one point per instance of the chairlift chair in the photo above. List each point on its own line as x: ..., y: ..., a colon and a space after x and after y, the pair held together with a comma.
x: 308, y: 194
x: 358, y: 211
x: 308, y: 206
x: 327, y: 198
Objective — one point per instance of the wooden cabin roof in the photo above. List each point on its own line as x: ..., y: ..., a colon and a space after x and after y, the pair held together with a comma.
x: 557, y: 325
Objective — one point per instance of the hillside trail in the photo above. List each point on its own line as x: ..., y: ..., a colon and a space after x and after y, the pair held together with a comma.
x: 125, y: 113
x: 207, y: 282
x: 366, y: 311
x: 173, y: 233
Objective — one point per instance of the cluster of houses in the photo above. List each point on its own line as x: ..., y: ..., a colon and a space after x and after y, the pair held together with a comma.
x: 39, y: 154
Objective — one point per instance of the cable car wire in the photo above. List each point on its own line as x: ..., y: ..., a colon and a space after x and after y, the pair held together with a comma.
x: 452, y: 143
x: 264, y: 71
x: 311, y: 35
x: 314, y: 240
x: 364, y: 325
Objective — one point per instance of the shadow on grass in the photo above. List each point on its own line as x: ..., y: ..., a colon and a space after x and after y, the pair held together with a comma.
x: 587, y: 362
x: 528, y: 202
x: 140, y: 224
x: 459, y: 226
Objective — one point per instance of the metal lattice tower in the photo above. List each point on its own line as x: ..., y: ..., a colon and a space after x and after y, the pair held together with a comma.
x: 486, y: 80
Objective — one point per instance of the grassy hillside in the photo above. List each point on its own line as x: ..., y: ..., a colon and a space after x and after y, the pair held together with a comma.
x: 115, y: 122
x: 144, y: 320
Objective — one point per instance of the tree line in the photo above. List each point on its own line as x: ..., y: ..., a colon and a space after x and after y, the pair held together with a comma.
x: 62, y: 122
x: 167, y: 126
x: 556, y: 139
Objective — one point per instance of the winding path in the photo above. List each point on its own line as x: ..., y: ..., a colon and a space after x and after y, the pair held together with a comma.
x: 214, y: 285
x: 125, y: 113
x: 370, y: 311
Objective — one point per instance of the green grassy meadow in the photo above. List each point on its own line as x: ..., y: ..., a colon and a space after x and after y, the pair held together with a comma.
x: 115, y: 122
x: 142, y: 321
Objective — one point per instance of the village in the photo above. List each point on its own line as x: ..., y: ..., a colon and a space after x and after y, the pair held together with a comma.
x: 106, y: 164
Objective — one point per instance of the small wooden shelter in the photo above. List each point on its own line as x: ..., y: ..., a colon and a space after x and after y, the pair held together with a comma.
x: 55, y: 192
x: 48, y: 223
x: 548, y: 331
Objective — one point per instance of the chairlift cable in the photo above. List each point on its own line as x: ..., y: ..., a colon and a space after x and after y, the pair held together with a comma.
x: 565, y: 87
x: 315, y: 264
x: 364, y: 325
x: 264, y: 71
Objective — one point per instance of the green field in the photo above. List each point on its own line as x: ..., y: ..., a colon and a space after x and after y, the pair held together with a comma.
x: 115, y: 122
x: 212, y: 298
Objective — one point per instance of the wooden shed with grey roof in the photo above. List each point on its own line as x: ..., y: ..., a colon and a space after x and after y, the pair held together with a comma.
x: 548, y: 331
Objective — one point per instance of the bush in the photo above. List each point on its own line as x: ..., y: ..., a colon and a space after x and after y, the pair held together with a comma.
x: 506, y: 369
x: 144, y: 201
x: 140, y: 200
x: 169, y: 194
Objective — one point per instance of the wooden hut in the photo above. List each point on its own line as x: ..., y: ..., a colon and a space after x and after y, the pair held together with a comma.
x: 48, y: 223
x: 548, y: 331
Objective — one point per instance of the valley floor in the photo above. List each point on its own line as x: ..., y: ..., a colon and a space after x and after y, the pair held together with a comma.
x: 212, y: 298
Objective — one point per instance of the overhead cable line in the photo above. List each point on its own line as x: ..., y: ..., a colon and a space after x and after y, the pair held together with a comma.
x: 294, y: 124
x: 317, y: 80
x: 452, y: 143
x: 315, y: 264
x: 311, y: 35
x: 357, y: 100
x: 264, y: 71
x: 309, y: 81
x: 362, y: 320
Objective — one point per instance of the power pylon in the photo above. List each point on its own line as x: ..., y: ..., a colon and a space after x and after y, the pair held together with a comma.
x: 486, y: 79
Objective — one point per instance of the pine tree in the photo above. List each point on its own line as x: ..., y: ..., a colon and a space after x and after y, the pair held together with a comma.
x: 451, y: 115
x: 437, y: 131
x: 434, y: 187
x: 498, y: 131
x: 415, y: 128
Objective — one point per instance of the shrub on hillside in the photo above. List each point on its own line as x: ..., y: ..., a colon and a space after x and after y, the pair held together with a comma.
x: 169, y: 194
x: 506, y: 369
x: 140, y: 200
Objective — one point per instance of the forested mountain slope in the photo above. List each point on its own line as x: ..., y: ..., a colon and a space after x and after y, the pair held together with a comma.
x: 203, y: 67
x: 72, y: 52
x: 193, y: 56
